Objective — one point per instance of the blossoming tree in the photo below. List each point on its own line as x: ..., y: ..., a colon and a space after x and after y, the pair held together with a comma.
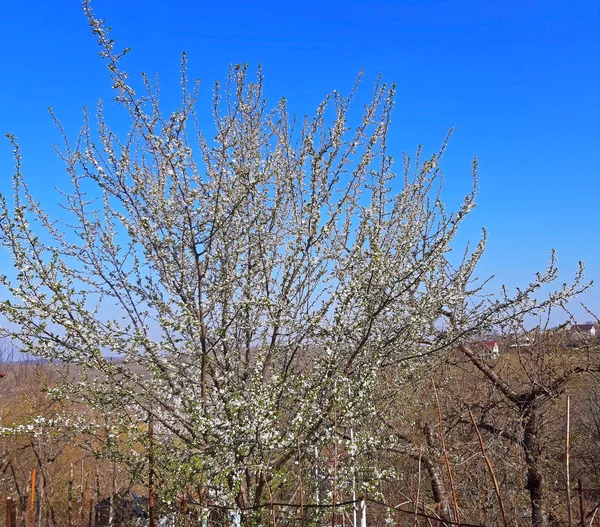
x: 254, y: 285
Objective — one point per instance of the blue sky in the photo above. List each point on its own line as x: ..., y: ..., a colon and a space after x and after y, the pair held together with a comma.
x: 519, y: 82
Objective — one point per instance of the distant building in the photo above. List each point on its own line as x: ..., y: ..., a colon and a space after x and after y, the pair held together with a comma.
x: 487, y: 349
x: 521, y: 341
x: 584, y: 329
x: 579, y: 335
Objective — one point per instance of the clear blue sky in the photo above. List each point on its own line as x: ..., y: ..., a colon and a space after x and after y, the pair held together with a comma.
x: 518, y: 80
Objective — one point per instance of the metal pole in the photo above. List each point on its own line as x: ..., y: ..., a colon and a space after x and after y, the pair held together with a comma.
x: 363, y: 513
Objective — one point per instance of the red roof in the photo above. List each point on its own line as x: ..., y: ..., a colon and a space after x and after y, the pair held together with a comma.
x: 487, y: 344
x: 584, y: 327
x: 2, y: 374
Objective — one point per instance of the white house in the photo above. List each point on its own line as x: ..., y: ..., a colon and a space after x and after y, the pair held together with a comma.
x: 585, y: 329
x: 488, y: 349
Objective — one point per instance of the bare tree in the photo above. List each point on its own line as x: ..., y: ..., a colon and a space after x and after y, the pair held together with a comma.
x: 525, y: 387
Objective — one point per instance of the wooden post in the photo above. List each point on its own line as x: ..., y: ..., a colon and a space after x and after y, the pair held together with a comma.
x: 97, y: 495
x: 70, y: 498
x: 302, y: 519
x: 334, y: 469
x: 184, y: 511
x: 8, y: 518
x: 151, y: 522
x: 567, y: 474
x: 581, y: 506
x: 32, y: 500
x: 82, y: 495
x: 11, y: 513
x: 90, y: 514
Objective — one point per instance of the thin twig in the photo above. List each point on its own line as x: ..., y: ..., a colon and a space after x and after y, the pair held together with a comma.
x: 441, y: 422
x: 271, y: 500
x: 302, y: 519
x: 418, y: 487
x: 490, y: 469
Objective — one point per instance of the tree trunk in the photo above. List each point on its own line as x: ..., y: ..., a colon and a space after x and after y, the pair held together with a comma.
x: 535, y: 479
x: 438, y: 489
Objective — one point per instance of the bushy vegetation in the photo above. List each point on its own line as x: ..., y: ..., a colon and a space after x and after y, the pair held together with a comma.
x: 456, y: 405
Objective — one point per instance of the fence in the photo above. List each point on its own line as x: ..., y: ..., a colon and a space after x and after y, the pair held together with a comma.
x: 352, y: 513
x: 362, y: 512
